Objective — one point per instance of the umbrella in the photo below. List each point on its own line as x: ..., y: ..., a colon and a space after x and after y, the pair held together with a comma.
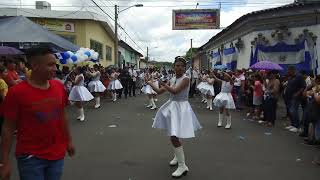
x: 220, y: 67
x: 6, y: 50
x: 266, y: 65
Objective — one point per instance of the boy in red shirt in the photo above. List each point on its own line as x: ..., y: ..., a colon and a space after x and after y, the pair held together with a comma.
x: 36, y: 109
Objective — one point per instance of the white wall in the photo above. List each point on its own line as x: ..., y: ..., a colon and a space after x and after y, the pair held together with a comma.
x: 244, y: 53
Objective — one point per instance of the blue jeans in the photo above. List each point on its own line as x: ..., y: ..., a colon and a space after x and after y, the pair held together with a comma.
x: 33, y: 168
x: 294, y: 112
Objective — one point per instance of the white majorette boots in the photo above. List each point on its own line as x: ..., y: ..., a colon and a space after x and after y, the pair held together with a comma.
x: 81, y: 114
x: 97, y: 105
x: 220, y: 120
x: 228, y: 126
x: 182, y: 168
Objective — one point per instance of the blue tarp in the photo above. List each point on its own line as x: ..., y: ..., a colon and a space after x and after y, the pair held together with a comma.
x: 15, y: 30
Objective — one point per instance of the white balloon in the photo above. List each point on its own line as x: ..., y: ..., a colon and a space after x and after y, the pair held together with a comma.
x: 87, y: 49
x: 85, y: 57
x: 95, y: 56
x: 69, y: 61
x: 91, y: 51
x: 82, y: 48
x: 78, y: 57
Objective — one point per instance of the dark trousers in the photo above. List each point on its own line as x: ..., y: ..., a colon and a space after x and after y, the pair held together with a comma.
x: 270, y: 109
x: 192, y: 90
x: 294, y: 104
x: 132, y: 87
x: 125, y: 89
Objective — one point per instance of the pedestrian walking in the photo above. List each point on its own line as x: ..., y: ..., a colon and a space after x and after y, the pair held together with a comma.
x: 36, y: 108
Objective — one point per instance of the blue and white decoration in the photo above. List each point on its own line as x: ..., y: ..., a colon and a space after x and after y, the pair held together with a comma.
x: 230, y: 57
x: 216, y: 58
x: 285, y: 55
x: 83, y: 54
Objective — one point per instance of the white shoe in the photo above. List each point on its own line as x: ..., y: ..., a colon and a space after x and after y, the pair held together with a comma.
x: 174, y: 161
x: 97, y: 106
x: 153, y: 107
x: 149, y: 106
x: 210, y: 109
x: 155, y: 100
x: 81, y: 116
x: 228, y: 126
x: 289, y: 127
x: 207, y: 107
x: 220, y: 120
x: 182, y: 168
x: 295, y: 130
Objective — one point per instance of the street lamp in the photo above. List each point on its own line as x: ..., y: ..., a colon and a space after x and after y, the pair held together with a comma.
x: 116, y: 30
x: 148, y: 52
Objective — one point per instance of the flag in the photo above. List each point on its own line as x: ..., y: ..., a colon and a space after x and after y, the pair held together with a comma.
x: 230, y: 57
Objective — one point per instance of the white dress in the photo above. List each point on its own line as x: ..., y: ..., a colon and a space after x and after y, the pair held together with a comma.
x: 224, y: 98
x: 176, y: 115
x: 114, y: 84
x: 96, y: 85
x: 207, y: 89
x: 147, y: 89
x: 79, y: 92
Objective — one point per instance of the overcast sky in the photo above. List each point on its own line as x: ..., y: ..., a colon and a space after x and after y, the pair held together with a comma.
x: 151, y: 25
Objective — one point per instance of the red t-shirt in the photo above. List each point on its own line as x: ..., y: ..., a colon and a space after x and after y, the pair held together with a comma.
x: 39, y: 116
x: 11, y: 76
x: 257, y: 91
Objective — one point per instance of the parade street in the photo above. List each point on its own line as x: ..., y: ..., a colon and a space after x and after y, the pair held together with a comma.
x: 131, y: 149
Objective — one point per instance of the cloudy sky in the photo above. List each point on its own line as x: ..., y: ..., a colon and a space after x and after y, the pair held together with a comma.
x: 151, y: 25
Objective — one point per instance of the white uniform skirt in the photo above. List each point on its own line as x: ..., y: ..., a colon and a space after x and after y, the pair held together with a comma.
x: 115, y: 85
x: 224, y: 100
x: 207, y: 89
x: 96, y: 86
x: 80, y: 93
x: 200, y: 85
x: 177, y: 118
x: 147, y: 89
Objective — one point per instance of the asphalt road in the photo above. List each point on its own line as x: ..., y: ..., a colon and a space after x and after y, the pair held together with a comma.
x: 134, y: 151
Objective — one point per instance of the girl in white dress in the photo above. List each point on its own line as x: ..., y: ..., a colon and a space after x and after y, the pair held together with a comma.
x: 147, y: 89
x: 201, y: 85
x: 176, y: 115
x: 208, y: 90
x: 224, y: 99
x: 95, y: 86
x: 79, y: 93
x: 114, y: 85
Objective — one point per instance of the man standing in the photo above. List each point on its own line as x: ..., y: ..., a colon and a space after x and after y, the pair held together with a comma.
x: 36, y: 108
x: 293, y: 95
x: 12, y: 76
x: 132, y: 81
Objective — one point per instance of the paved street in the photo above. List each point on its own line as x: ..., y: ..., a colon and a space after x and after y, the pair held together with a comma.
x: 133, y: 150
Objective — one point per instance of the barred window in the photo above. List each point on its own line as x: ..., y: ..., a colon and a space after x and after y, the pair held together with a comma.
x: 96, y: 46
x: 108, y: 53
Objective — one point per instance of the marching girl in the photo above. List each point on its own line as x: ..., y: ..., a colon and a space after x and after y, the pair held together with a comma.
x: 201, y: 85
x: 156, y: 76
x: 114, y: 84
x: 208, y: 90
x: 224, y: 99
x: 79, y: 93
x: 176, y: 115
x: 95, y: 86
x: 147, y: 89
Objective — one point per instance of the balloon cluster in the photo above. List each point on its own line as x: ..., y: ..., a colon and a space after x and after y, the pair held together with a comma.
x: 83, y: 54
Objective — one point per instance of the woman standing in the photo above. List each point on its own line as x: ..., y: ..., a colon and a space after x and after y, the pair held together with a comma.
x: 176, y: 115
x: 95, y: 86
x: 147, y: 89
x: 114, y: 85
x: 79, y: 93
x: 224, y: 99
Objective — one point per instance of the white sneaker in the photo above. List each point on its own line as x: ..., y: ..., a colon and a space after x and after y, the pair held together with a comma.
x: 155, y: 100
x: 289, y: 127
x: 211, y: 109
x: 97, y: 106
x: 295, y: 130
x: 207, y: 107
x: 260, y: 122
x: 153, y: 108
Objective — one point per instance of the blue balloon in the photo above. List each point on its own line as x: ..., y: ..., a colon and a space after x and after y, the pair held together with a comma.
x: 63, y: 61
x: 87, y: 53
x: 65, y: 55
x: 94, y: 60
x: 74, y: 58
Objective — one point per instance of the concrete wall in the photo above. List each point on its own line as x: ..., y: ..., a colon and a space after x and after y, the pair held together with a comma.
x: 244, y: 53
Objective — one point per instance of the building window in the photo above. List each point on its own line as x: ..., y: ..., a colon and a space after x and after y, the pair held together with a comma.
x: 96, y: 46
x: 70, y: 38
x: 108, y: 53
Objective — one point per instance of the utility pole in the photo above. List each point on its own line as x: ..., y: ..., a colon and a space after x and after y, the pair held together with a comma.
x: 147, y: 53
x: 191, y: 67
x: 116, y: 61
